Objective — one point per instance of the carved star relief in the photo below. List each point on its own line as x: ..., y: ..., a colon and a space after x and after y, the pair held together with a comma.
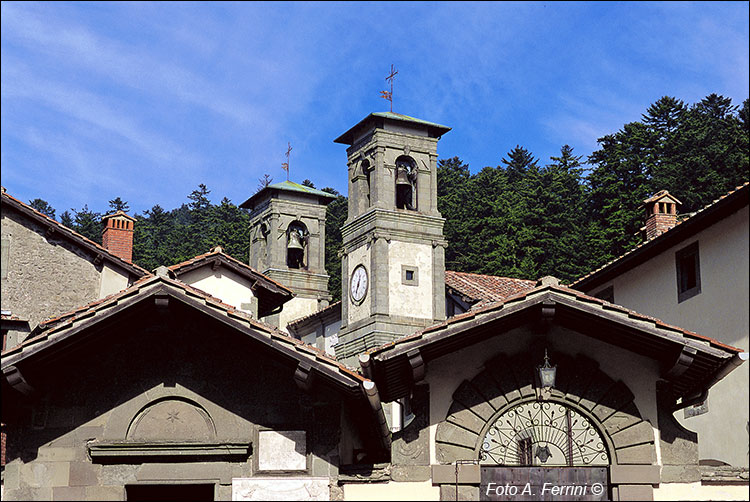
x: 172, y: 416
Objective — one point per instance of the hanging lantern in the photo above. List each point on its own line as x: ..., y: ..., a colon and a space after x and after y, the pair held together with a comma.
x: 547, y: 373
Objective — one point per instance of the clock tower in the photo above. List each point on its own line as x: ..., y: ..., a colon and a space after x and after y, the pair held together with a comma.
x: 393, y: 256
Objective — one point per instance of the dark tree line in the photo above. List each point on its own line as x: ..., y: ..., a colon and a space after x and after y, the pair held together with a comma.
x: 518, y: 219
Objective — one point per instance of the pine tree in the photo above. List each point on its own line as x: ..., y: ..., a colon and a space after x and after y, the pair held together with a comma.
x: 117, y: 204
x: 336, y: 214
x: 43, y: 207
x: 88, y: 223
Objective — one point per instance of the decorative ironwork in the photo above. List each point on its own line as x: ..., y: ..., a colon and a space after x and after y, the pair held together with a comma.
x: 389, y: 94
x: 285, y: 165
x: 543, y: 434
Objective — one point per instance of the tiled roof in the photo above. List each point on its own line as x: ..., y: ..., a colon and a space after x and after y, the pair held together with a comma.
x: 485, y: 288
x: 11, y: 317
x: 568, y: 292
x: 53, y: 330
x: 218, y: 252
x: 72, y: 235
x: 612, y: 264
x: 319, y: 313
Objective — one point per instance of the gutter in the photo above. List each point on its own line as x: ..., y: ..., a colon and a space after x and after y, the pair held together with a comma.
x: 700, y: 396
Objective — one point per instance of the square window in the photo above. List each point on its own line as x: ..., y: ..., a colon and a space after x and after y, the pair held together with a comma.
x: 409, y: 275
x: 687, y: 261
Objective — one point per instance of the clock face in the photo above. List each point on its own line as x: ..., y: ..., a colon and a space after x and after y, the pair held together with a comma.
x: 358, y: 284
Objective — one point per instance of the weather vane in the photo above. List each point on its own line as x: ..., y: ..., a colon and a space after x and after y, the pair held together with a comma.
x: 285, y: 165
x: 389, y: 94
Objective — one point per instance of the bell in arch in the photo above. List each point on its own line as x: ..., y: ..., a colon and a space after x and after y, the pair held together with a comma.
x: 295, y: 241
x: 295, y: 247
x: 402, y: 177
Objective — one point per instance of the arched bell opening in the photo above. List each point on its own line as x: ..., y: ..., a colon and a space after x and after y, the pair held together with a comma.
x: 296, y: 247
x: 406, y: 183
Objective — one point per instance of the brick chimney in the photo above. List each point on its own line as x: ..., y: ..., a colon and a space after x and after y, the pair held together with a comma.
x: 117, y: 236
x: 661, y: 214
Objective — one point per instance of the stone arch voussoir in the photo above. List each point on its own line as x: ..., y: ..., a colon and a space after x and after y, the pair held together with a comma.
x: 508, y: 381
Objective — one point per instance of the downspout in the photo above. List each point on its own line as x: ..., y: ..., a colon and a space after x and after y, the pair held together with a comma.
x: 371, y: 392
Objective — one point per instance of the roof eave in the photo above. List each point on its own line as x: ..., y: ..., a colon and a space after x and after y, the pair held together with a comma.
x: 685, y: 230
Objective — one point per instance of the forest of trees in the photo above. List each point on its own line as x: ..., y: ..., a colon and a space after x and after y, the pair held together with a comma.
x: 518, y: 219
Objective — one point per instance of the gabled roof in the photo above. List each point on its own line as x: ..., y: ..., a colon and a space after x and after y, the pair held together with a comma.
x: 661, y: 195
x: 591, y: 316
x: 378, y: 119
x: 57, y: 333
x: 287, y: 186
x: 72, y: 236
x: 332, y: 310
x: 719, y: 209
x: 271, y: 294
x: 485, y: 288
x: 475, y: 287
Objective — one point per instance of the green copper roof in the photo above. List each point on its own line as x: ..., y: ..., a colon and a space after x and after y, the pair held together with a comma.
x: 288, y: 186
x: 435, y: 130
x: 296, y: 187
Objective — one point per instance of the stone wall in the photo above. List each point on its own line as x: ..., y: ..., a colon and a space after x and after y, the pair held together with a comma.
x: 186, y: 380
x: 46, y: 275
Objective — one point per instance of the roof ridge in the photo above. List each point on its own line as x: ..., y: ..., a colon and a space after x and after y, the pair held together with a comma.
x: 75, y: 234
x: 662, y: 235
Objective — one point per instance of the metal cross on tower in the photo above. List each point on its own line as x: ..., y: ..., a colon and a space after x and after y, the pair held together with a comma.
x: 285, y: 165
x: 389, y: 94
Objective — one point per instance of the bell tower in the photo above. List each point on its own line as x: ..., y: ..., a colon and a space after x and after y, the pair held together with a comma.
x: 393, y: 256
x: 287, y: 243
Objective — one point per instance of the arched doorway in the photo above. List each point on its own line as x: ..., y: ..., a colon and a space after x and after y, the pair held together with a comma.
x: 547, y: 434
x: 576, y: 437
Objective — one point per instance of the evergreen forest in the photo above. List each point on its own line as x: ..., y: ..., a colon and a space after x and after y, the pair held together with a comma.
x: 523, y: 218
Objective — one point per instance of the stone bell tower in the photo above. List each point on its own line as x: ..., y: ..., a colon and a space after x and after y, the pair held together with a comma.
x: 393, y: 257
x: 287, y: 243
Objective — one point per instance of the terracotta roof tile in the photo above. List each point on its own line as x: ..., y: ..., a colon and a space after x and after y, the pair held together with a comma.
x: 75, y: 235
x: 579, y: 296
x: 59, y: 323
x: 218, y: 251
x: 486, y: 288
x: 661, y: 236
x: 320, y: 312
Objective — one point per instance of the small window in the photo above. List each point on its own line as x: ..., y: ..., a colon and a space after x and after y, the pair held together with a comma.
x: 409, y: 275
x: 688, y: 272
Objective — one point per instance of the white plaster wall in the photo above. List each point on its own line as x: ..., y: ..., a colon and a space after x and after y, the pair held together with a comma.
x: 445, y: 374
x: 229, y: 287
x: 698, y: 491
x: 408, y: 300
x: 392, y: 490
x: 297, y: 308
x: 721, y: 311
x: 111, y: 281
x: 358, y: 256
x: 331, y: 337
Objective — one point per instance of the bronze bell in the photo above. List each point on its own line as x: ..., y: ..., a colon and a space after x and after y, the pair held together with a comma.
x: 295, y: 241
x: 402, y: 177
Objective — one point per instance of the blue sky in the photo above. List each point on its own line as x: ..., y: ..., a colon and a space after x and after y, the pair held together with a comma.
x: 144, y: 101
